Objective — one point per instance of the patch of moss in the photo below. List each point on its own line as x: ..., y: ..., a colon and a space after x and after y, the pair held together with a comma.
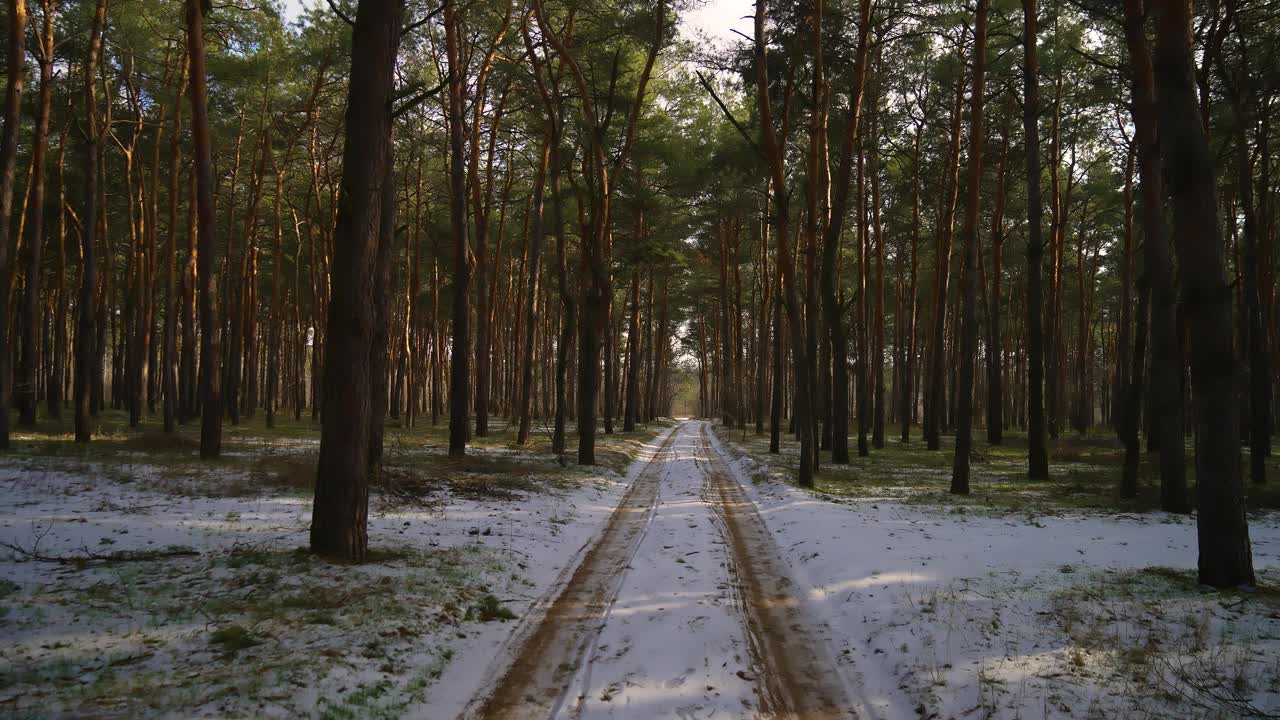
x: 488, y: 609
x: 233, y: 638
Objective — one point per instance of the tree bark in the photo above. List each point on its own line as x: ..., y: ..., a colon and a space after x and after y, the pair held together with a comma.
x: 995, y: 380
x: 339, y: 524
x: 1240, y: 92
x: 935, y: 386
x: 968, y: 281
x: 1166, y: 347
x: 210, y: 374
x: 169, y: 367
x: 8, y: 159
x: 25, y: 380
x: 803, y: 405
x: 1225, y: 556
x: 1038, y: 456
x: 88, y: 338
x: 460, y: 361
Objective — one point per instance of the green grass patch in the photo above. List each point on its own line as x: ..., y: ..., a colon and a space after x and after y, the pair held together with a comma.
x: 233, y: 638
x: 1084, y: 475
x: 488, y: 609
x: 235, y: 622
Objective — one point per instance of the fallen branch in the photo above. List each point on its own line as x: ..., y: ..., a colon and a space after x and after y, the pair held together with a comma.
x: 89, y: 556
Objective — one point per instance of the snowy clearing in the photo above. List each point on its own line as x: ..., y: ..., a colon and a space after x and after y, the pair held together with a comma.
x: 945, y: 613
x: 128, y: 590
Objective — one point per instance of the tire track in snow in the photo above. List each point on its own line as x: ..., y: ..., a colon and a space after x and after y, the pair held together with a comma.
x: 786, y: 671
x: 798, y: 678
x: 537, y: 682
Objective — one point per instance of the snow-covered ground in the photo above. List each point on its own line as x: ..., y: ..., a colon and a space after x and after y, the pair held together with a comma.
x: 952, y: 615
x: 125, y: 594
x: 672, y: 644
x: 229, y: 619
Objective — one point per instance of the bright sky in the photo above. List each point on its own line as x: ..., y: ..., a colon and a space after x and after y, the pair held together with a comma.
x: 716, y: 18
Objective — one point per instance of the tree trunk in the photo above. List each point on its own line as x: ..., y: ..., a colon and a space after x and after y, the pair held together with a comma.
x: 832, y: 312
x: 169, y: 366
x: 210, y: 374
x: 57, y: 368
x: 1241, y: 94
x: 728, y: 407
x: 935, y: 386
x: 460, y: 361
x: 534, y: 267
x: 910, y: 363
x: 339, y: 525
x: 1038, y: 456
x: 995, y: 379
x: 1166, y: 348
x: 803, y: 412
x: 88, y: 338
x: 379, y: 346
x: 481, y: 197
x: 631, y: 396
x: 1225, y: 556
x: 968, y: 281
x: 8, y: 159
x: 25, y: 379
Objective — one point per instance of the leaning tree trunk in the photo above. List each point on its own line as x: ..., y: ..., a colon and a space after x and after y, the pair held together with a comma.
x: 339, y: 519
x: 1225, y: 556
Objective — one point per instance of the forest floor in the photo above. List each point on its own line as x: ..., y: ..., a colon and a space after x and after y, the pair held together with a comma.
x: 1024, y: 599
x: 685, y: 577
x: 136, y: 580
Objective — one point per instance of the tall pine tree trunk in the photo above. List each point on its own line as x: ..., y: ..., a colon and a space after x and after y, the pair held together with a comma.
x: 968, y: 273
x: 169, y: 365
x: 25, y: 379
x: 1038, y: 456
x: 339, y: 520
x: 210, y: 361
x: 1166, y: 347
x: 1225, y: 556
x: 8, y: 159
x: 460, y: 358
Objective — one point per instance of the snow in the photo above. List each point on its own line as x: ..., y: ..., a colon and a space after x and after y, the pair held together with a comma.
x: 672, y: 644
x: 547, y: 560
x: 52, y: 618
x: 941, y: 614
x: 928, y: 612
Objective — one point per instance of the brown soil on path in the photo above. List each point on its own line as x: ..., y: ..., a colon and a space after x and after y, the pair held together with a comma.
x: 797, y: 680
x: 535, y: 684
x: 794, y: 677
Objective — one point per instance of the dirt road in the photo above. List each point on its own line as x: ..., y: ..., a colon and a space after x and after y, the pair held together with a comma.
x: 683, y: 608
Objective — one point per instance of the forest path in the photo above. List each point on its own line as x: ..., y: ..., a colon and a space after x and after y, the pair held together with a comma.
x: 683, y: 608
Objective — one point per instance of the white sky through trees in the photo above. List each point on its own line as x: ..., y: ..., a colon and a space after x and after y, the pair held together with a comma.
x: 715, y: 18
